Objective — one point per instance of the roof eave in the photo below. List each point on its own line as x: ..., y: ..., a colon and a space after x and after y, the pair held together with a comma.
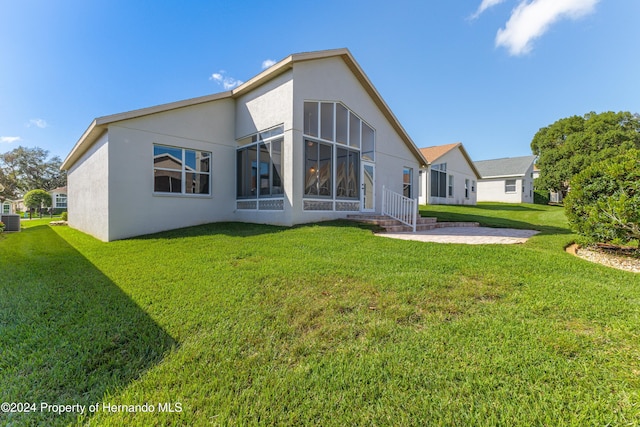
x: 503, y: 176
x: 99, y: 125
x: 93, y: 132
x: 473, y: 165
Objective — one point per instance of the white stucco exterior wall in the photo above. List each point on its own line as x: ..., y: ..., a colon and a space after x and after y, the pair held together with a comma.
x: 134, y: 209
x: 493, y: 190
x: 88, y: 182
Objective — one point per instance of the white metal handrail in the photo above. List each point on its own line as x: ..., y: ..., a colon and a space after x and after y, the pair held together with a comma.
x: 400, y: 207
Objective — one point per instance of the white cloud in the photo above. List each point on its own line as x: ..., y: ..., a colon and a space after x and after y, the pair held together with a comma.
x: 9, y: 139
x: 225, y: 81
x: 267, y: 63
x: 531, y: 19
x: 38, y: 123
x: 486, y: 4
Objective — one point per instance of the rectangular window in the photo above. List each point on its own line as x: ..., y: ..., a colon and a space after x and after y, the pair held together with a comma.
x: 347, y: 174
x: 247, y: 173
x: 407, y: 182
x: 318, y: 169
x: 439, y: 180
x: 466, y: 188
x: 510, y: 186
x: 181, y: 171
x: 326, y: 121
x: 450, y: 186
x: 6, y: 208
x: 311, y: 118
x: 61, y: 201
x: 259, y: 166
x: 473, y: 186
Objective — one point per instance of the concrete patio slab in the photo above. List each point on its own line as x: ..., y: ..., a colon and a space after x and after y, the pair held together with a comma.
x: 467, y: 235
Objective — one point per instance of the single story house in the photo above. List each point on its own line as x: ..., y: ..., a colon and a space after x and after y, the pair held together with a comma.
x: 308, y: 139
x: 450, y: 178
x: 508, y: 180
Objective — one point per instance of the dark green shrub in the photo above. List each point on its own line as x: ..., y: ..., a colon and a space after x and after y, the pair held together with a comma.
x: 603, y: 204
x: 541, y: 197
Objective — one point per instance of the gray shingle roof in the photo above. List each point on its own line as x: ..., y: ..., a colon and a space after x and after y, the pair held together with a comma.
x: 509, y: 166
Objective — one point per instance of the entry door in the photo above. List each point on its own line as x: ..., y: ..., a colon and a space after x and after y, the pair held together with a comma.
x: 368, y: 187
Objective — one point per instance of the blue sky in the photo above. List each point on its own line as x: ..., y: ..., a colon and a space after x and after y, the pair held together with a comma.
x: 488, y: 73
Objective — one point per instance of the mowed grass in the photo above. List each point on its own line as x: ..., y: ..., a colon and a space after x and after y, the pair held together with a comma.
x: 323, y: 324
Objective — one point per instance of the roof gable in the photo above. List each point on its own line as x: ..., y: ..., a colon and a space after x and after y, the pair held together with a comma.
x: 509, y: 166
x: 433, y: 154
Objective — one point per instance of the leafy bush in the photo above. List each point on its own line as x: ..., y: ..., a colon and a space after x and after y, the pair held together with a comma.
x: 2, y: 226
x: 64, y: 216
x: 541, y: 197
x: 603, y: 204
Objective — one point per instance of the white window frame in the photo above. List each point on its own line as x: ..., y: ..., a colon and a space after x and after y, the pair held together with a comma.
x: 183, y: 173
x: 510, y: 188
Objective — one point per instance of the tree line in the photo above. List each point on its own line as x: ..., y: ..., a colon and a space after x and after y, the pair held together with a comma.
x: 23, y: 169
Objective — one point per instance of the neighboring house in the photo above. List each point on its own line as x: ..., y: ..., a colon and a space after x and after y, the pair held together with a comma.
x: 59, y: 199
x: 450, y: 178
x: 309, y: 139
x: 507, y: 180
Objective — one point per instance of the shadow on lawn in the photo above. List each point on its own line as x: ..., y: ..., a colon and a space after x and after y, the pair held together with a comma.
x: 233, y: 229
x: 506, y: 207
x: 68, y: 334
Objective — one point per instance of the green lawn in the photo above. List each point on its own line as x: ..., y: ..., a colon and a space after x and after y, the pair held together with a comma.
x: 325, y: 324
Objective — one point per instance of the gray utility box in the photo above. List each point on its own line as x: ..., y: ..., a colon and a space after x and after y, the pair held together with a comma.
x: 11, y: 222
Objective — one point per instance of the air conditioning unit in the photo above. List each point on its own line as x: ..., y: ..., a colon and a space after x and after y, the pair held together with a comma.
x: 11, y: 222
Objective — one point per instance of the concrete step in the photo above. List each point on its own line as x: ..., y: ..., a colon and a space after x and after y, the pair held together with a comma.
x: 392, y: 225
x: 383, y: 218
x: 456, y: 224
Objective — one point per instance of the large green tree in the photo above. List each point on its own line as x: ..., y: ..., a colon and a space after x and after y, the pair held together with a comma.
x: 570, y: 145
x: 23, y: 169
x: 604, y: 202
x: 37, y: 199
